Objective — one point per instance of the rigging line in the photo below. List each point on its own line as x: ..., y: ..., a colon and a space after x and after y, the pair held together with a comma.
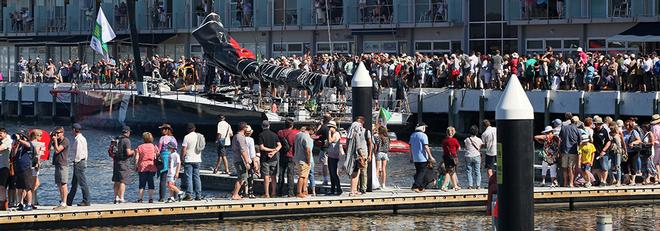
x: 327, y: 22
x: 283, y: 26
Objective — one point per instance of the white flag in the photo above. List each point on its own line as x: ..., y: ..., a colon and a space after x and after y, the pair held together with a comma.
x: 101, y: 35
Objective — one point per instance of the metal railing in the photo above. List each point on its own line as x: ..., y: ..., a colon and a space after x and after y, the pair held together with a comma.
x: 334, y: 15
x: 533, y: 10
x: 374, y: 14
x: 282, y: 17
x: 24, y: 25
x: 157, y: 20
x: 619, y: 8
x: 429, y: 13
x: 246, y: 20
x: 86, y: 20
x: 53, y: 24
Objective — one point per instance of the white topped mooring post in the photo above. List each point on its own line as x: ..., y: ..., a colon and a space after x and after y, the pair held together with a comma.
x: 515, y: 164
x: 362, y: 104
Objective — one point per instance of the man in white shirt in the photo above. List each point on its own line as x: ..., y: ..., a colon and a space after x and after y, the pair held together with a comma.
x: 79, y: 158
x: 223, y: 140
x: 489, y: 137
x: 192, y: 157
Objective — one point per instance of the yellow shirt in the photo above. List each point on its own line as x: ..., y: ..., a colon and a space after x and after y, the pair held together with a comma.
x: 586, y: 153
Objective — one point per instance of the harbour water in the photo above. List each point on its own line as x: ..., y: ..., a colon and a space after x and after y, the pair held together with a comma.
x: 643, y: 216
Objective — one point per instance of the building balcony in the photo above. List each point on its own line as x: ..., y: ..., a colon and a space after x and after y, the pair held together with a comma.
x: 333, y: 15
x: 156, y: 20
x: 431, y: 13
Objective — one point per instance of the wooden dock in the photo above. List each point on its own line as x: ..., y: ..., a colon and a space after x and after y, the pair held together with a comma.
x: 379, y: 201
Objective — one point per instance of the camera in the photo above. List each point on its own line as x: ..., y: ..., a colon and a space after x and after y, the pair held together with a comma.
x: 114, y: 140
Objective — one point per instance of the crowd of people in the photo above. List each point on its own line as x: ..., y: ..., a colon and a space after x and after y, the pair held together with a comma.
x: 546, y: 71
x: 118, y: 72
x: 601, y: 151
x: 593, y: 151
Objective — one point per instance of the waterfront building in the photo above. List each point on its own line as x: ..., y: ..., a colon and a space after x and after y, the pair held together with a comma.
x: 60, y: 29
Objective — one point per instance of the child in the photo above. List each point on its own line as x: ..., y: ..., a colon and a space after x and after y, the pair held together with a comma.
x: 586, y: 157
x: 173, y: 174
x: 428, y: 176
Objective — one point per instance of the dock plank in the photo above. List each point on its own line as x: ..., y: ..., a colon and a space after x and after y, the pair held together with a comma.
x: 376, y: 201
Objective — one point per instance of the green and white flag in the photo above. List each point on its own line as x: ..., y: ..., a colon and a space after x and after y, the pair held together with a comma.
x: 101, y: 35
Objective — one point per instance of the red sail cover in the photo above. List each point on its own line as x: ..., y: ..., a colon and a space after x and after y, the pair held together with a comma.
x: 45, y: 138
x: 242, y: 52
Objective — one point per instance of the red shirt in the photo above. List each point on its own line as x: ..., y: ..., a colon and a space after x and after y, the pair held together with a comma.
x: 514, y: 66
x: 450, y: 145
x: 290, y: 135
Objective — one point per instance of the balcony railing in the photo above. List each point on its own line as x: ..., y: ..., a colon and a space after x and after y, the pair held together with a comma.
x: 334, y: 15
x: 21, y: 23
x: 533, y: 10
x: 374, y: 14
x: 429, y: 13
x: 619, y: 8
x: 158, y: 20
x: 285, y: 17
x: 53, y: 24
x: 246, y: 18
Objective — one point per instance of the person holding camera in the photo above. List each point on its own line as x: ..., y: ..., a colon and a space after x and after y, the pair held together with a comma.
x: 120, y: 151
x: 24, y: 156
x: 61, y: 147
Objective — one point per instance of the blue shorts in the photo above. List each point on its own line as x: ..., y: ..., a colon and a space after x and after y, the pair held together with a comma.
x: 588, y: 80
x: 586, y: 167
x: 605, y: 163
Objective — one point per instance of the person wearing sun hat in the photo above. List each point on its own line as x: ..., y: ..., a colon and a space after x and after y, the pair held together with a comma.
x: 655, y: 129
x: 602, y: 141
x: 421, y: 153
x: 550, y: 143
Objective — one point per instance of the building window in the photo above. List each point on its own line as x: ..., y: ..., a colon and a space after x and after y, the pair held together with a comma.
x: 494, y: 10
x: 333, y: 14
x: 619, y: 8
x: 597, y: 45
x: 558, y: 45
x: 548, y: 9
x: 287, y: 49
x: 476, y: 30
x: 613, y: 47
x: 391, y: 47
x: 431, y: 11
x: 375, y: 11
x: 337, y: 48
x: 433, y: 47
x: 242, y: 13
x: 487, y: 29
x: 285, y: 12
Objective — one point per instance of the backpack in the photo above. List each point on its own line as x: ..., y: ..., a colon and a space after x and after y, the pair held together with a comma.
x: 117, y: 152
x: 26, y: 158
x: 201, y: 143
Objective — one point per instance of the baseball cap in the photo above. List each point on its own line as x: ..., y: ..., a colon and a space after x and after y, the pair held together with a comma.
x: 125, y: 129
x: 265, y: 124
x: 76, y: 126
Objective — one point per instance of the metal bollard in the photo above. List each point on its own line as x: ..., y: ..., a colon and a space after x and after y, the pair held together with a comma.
x: 604, y: 222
